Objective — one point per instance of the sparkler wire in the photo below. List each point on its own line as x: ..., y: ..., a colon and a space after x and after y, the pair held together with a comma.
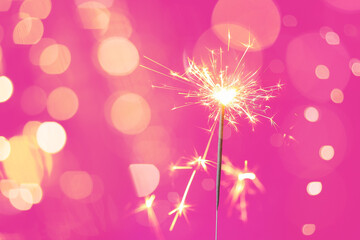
x: 219, y: 163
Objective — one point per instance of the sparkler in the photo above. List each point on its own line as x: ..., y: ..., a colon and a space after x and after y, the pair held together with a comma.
x: 229, y: 92
x: 240, y: 181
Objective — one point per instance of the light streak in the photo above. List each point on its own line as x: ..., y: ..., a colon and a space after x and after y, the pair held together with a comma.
x: 240, y: 185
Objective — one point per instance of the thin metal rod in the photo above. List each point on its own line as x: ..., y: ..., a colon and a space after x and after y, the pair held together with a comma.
x: 219, y: 162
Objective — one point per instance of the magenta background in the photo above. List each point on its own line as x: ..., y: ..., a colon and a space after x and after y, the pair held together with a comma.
x: 174, y: 26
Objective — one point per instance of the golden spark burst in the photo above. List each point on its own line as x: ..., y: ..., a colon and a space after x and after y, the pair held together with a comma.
x: 219, y: 84
x: 228, y: 91
x: 240, y: 181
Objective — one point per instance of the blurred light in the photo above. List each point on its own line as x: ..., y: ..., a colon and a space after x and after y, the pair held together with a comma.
x: 332, y: 38
x: 324, y: 30
x: 37, y: 49
x: 153, y: 146
x: 355, y: 68
x: 337, y: 96
x: 55, y: 59
x: 94, y: 15
x: 290, y: 21
x: 6, y: 185
x: 4, y: 148
x: 5, y: 5
x: 62, y: 103
x: 118, y: 56
x: 314, y: 188
x: 6, y: 89
x: 130, y: 114
x: 304, y: 54
x: 76, y: 184
x: 30, y: 130
x: 208, y: 184
x: 51, y: 137
x: 227, y: 132
x: 350, y: 30
x: 322, y: 72
x: 35, y: 191
x: 327, y: 152
x: 25, y: 163
x: 308, y: 229
x: 259, y: 19
x: 347, y: 5
x: 33, y: 100
x: 119, y: 26
x: 311, y: 114
x: 28, y: 31
x: 146, y: 178
x: 20, y: 198
x: 35, y: 8
x: 106, y: 3
x: 277, y: 66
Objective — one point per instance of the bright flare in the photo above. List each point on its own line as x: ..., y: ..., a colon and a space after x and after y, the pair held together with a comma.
x: 240, y: 180
x: 219, y: 84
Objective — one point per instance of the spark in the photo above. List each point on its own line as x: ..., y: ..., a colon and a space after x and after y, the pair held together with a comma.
x: 148, y: 206
x: 228, y: 91
x: 240, y: 182
x: 196, y: 163
x: 217, y: 84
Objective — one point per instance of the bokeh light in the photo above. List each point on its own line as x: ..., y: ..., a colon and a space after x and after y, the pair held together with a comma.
x: 5, y: 148
x: 37, y: 49
x: 76, y: 184
x: 208, y: 184
x: 258, y: 18
x: 20, y: 198
x: 153, y: 146
x: 314, y: 188
x: 55, y: 59
x: 322, y: 72
x: 6, y: 89
x: 130, y: 113
x: 303, y: 139
x: 35, y: 8
x: 308, y: 229
x: 62, y: 103
x: 146, y: 178
x: 310, y: 58
x: 118, y: 56
x: 355, y: 67
x: 94, y: 15
x: 119, y: 25
x: 327, y: 152
x: 28, y: 31
x: 6, y: 185
x: 347, y: 5
x: 332, y: 38
x: 25, y: 162
x: 51, y: 137
x: 33, y: 100
x: 35, y: 191
x: 311, y: 114
x: 289, y: 21
x: 5, y: 5
x: 337, y: 96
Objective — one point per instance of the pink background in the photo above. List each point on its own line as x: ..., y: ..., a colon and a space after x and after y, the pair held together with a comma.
x: 167, y: 31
